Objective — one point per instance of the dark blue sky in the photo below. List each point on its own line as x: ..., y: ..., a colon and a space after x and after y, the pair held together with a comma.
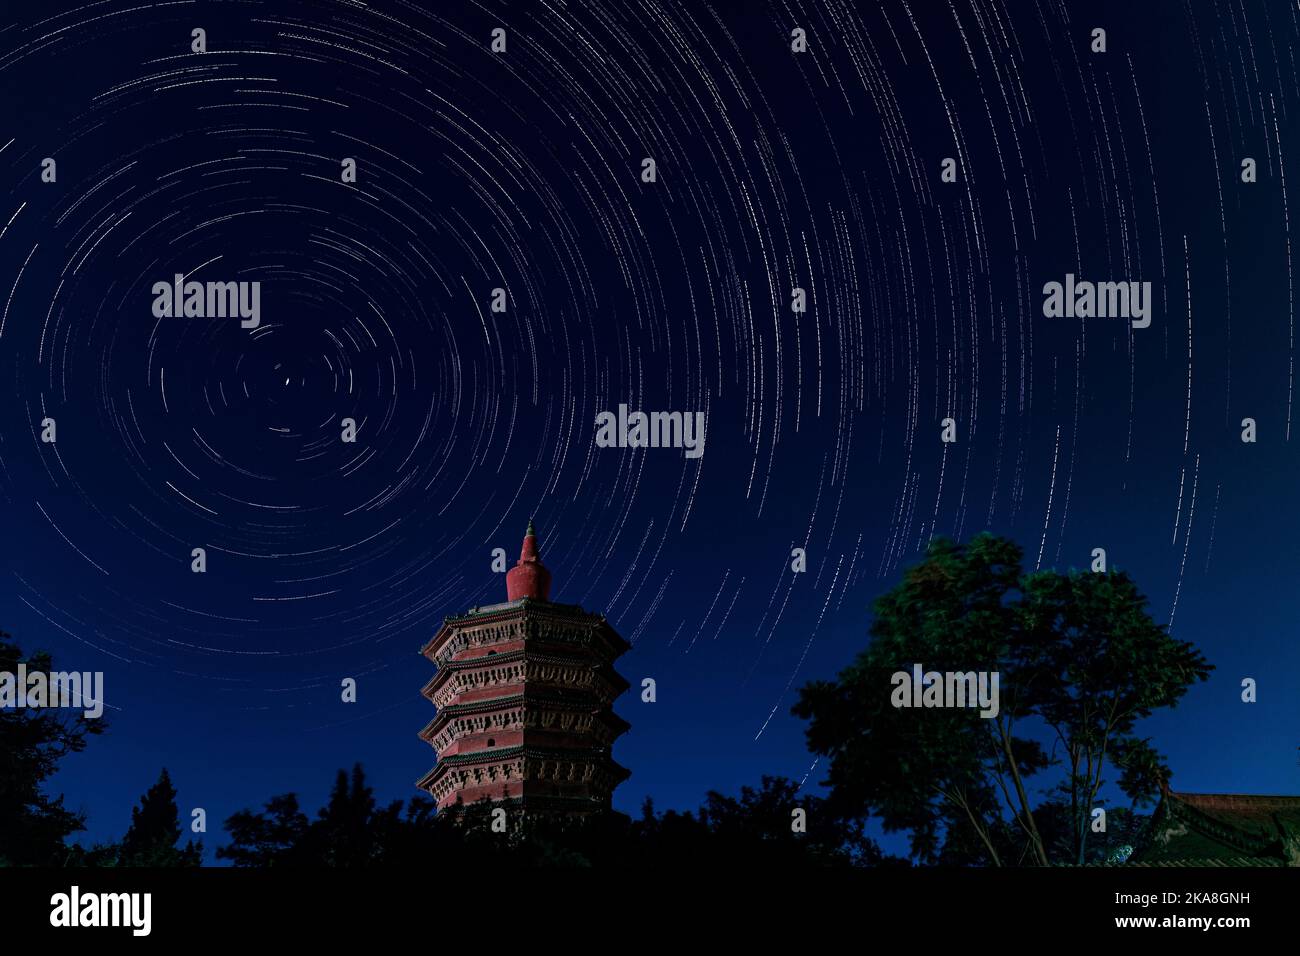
x: 521, y: 170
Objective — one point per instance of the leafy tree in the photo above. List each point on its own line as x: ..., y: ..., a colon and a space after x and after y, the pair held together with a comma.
x: 920, y: 773
x: 155, y: 830
x: 1079, y: 660
x: 34, y: 825
x: 1125, y: 830
x: 757, y: 826
x: 1144, y: 773
x: 1092, y: 662
x: 350, y: 831
x: 270, y: 838
x: 100, y: 854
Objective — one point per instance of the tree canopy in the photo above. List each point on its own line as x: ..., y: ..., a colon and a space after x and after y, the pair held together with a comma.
x: 1079, y: 661
x: 33, y: 740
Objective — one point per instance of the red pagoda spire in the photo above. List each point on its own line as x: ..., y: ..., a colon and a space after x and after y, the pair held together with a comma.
x: 529, y: 577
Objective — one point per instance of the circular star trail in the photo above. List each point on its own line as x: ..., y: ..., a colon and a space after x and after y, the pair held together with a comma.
x: 780, y: 176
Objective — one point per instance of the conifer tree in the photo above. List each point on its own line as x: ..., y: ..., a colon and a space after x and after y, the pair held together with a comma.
x: 155, y: 830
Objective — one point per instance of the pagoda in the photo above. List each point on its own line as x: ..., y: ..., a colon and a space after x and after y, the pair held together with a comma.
x: 525, y: 693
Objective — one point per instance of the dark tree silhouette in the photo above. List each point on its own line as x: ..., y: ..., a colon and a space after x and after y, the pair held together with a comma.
x: 270, y: 838
x: 33, y: 825
x: 1079, y: 661
x: 155, y: 830
x: 755, y: 828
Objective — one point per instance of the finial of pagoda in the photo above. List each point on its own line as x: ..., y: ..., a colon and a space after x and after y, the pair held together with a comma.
x: 528, y: 578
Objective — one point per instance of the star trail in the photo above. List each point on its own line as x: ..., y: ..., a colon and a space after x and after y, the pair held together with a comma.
x: 837, y: 257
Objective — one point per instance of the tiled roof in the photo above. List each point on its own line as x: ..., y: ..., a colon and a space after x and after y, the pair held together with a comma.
x: 1215, y: 861
x: 1223, y: 829
x: 1188, y: 861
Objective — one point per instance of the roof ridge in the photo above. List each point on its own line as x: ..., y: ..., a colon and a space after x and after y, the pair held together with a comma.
x: 1243, y: 838
x: 1245, y: 796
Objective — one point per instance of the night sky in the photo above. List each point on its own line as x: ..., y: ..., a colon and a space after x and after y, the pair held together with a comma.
x: 522, y: 170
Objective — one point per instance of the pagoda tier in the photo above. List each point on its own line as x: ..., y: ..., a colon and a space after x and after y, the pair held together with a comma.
x: 525, y: 693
